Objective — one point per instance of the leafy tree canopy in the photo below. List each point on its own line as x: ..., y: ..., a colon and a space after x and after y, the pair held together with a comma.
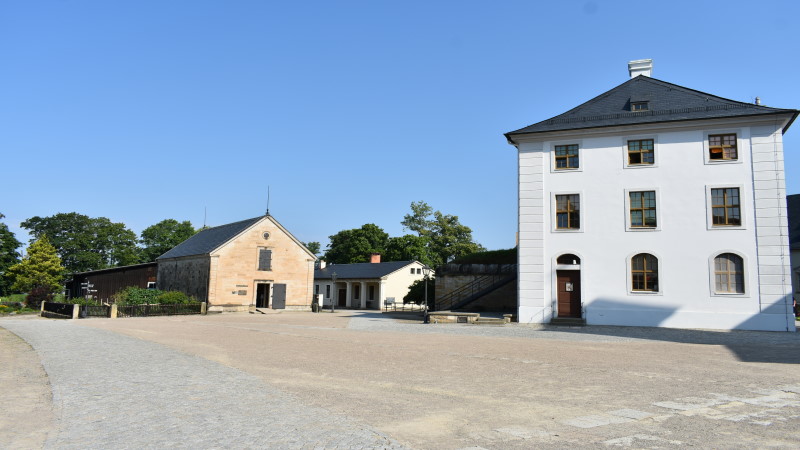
x: 160, y: 238
x: 448, y: 237
x: 313, y: 247
x: 84, y: 243
x: 39, y: 269
x: 8, y: 256
x: 409, y: 247
x: 356, y: 245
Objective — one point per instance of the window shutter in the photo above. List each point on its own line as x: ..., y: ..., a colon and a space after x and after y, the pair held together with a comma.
x: 264, y: 259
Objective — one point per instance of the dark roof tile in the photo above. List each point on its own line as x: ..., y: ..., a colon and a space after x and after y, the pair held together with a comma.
x: 360, y: 270
x: 209, y: 239
x: 667, y: 102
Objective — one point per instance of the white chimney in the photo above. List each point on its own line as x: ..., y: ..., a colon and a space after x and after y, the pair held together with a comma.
x: 322, y: 264
x: 640, y: 67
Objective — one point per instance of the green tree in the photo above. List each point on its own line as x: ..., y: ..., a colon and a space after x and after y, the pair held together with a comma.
x: 313, y: 247
x: 84, y: 243
x: 8, y: 256
x: 447, y: 237
x: 409, y: 247
x: 356, y: 245
x: 40, y: 269
x: 160, y: 238
x: 416, y: 293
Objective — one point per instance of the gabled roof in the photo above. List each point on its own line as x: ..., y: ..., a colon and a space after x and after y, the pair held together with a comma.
x: 360, y: 270
x: 208, y: 240
x: 793, y: 207
x: 667, y: 103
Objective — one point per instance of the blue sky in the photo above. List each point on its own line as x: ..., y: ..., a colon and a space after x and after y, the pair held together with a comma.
x: 350, y: 110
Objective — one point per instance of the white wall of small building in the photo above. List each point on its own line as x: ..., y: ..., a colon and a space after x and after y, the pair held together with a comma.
x: 684, y: 242
x: 394, y: 285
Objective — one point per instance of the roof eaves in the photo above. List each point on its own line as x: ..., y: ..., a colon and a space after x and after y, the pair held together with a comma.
x: 590, y: 127
x: 291, y: 236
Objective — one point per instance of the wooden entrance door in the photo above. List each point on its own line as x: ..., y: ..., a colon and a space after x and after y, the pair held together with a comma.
x: 279, y: 296
x: 262, y: 295
x: 569, y: 293
x: 342, y: 297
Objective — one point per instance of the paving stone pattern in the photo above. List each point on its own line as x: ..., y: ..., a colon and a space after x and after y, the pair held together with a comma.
x: 113, y: 391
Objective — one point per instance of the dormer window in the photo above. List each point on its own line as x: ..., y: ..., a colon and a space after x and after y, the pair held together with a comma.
x: 640, y: 106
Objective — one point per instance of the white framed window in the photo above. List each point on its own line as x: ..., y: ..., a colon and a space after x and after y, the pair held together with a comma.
x: 644, y: 274
x: 725, y: 207
x: 728, y: 274
x: 723, y: 146
x: 566, y: 212
x: 565, y: 156
x: 642, y: 211
x: 639, y: 151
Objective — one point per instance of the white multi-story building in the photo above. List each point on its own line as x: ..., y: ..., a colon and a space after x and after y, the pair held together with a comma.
x: 655, y: 205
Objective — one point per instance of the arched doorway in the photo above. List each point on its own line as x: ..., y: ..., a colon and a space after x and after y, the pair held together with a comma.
x: 568, y: 285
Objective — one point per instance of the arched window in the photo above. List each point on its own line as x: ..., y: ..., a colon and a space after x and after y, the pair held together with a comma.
x: 729, y: 273
x: 568, y: 258
x: 644, y: 273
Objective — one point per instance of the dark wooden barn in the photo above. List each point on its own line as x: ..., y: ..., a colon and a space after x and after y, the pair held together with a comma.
x: 107, y: 282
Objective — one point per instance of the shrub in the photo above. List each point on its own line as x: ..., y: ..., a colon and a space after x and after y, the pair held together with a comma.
x: 38, y: 295
x: 416, y: 292
x: 172, y: 297
x: 508, y: 256
x: 136, y: 296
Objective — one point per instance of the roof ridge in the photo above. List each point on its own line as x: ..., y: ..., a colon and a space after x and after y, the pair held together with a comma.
x: 229, y: 224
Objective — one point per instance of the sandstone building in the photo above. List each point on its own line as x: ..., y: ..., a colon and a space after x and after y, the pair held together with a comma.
x: 254, y: 263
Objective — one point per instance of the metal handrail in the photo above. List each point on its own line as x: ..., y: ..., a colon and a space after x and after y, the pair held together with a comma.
x: 470, y: 289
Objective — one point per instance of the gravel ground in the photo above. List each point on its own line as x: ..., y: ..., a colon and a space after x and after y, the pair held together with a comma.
x: 113, y: 391
x: 390, y: 381
x: 407, y: 323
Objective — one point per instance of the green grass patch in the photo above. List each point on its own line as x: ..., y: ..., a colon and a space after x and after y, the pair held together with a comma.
x: 6, y: 310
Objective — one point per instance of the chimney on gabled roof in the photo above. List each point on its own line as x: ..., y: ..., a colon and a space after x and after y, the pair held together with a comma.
x: 375, y: 258
x: 640, y: 67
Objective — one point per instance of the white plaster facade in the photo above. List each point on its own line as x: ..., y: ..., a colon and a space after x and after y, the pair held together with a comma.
x: 684, y: 241
x: 371, y: 292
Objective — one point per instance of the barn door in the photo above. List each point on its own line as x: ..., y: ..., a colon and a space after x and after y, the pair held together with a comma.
x: 279, y: 296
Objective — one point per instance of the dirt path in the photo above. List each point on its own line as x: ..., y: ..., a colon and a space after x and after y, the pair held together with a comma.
x: 26, y: 406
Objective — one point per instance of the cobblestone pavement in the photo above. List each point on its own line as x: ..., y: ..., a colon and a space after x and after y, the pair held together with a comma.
x: 114, y: 391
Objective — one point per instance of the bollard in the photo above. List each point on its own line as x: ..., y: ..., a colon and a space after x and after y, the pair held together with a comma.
x: 112, y: 311
x: 204, y: 308
x: 76, y: 311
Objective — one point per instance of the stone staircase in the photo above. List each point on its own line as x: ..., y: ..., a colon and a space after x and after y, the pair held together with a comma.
x: 490, y: 321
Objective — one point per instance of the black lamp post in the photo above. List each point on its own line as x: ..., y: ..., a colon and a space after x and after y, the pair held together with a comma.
x: 333, y: 297
x: 426, y: 272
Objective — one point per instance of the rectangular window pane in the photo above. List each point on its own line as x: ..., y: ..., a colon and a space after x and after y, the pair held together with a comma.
x: 636, y: 200
x: 636, y: 219
x: 264, y: 259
